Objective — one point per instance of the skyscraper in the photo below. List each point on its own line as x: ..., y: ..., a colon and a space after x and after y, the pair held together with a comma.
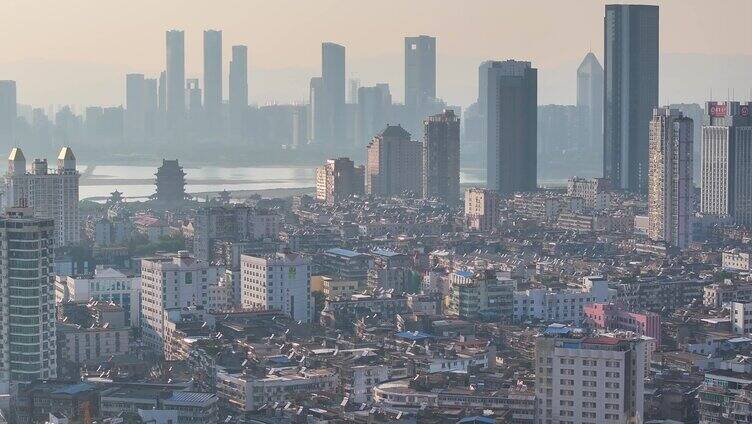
x: 333, y: 90
x: 316, y: 124
x: 213, y: 79
x: 238, y: 89
x: 631, y: 92
x: 135, y: 107
x: 441, y: 157
x: 28, y: 341
x: 393, y: 164
x: 726, y: 169
x: 8, y: 113
x: 48, y: 195
x: 670, y: 178
x: 420, y: 71
x: 590, y: 100
x: 372, y: 112
x: 511, y: 126
x: 175, y: 77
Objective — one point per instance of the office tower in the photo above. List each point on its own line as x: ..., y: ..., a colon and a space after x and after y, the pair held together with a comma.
x: 481, y: 209
x: 279, y: 282
x: 135, y: 107
x: 420, y: 71
x: 511, y: 126
x: 372, y: 113
x: 352, y: 90
x: 151, y: 106
x: 49, y: 195
x: 299, y: 126
x: 590, y: 101
x: 213, y: 79
x: 339, y: 179
x: 316, y: 111
x: 332, y: 118
x: 589, y: 379
x: 393, y: 166
x: 170, y: 182
x: 670, y: 178
x: 726, y: 170
x: 8, y: 113
x: 28, y: 298
x: 441, y: 157
x: 238, y: 90
x: 175, y: 77
x: 631, y: 93
x: 171, y: 282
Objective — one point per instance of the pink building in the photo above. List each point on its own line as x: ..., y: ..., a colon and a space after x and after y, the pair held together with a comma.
x: 613, y: 316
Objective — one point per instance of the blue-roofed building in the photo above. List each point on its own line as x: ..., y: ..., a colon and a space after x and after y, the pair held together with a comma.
x: 417, y: 336
x: 191, y: 407
x: 342, y: 264
x: 477, y: 420
x: 35, y: 401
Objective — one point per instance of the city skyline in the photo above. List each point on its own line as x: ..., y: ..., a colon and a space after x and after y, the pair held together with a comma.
x: 92, y: 62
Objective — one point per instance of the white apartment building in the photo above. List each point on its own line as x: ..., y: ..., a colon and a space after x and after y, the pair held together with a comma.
x: 277, y: 282
x: 50, y: 195
x: 589, y: 380
x: 106, y: 284
x: 736, y: 260
x: 27, y: 300
x: 167, y: 282
x: 563, y: 305
x: 595, y: 191
x: 741, y: 317
x: 364, y: 379
x: 247, y: 392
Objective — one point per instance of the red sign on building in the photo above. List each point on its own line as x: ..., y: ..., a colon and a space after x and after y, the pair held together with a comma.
x: 718, y: 110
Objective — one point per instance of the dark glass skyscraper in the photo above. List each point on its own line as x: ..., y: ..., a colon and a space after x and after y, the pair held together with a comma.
x: 631, y: 92
x: 420, y: 71
x: 511, y: 126
x: 213, y: 78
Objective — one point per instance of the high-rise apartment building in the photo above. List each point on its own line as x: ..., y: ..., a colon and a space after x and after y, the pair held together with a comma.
x: 441, y: 157
x: 393, y: 164
x: 338, y: 179
x: 175, y: 77
x: 52, y: 195
x: 231, y: 223
x: 171, y: 282
x: 481, y: 209
x: 317, y: 127
x: 589, y: 379
x: 590, y: 100
x: 670, y: 178
x: 420, y: 71
x: 213, y: 79
x: 511, y: 126
x: 631, y: 92
x: 238, y: 94
x: 726, y: 169
x: 8, y: 113
x: 28, y: 343
x: 280, y: 282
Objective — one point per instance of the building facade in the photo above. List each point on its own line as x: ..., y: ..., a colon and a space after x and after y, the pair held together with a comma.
x: 339, y: 179
x: 279, y: 282
x: 28, y: 345
x: 590, y: 100
x: 481, y: 209
x: 393, y: 164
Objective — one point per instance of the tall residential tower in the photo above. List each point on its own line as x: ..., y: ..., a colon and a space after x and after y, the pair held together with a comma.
x: 441, y: 157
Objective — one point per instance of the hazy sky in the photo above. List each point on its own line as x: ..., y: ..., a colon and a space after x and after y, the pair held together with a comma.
x: 77, y: 51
